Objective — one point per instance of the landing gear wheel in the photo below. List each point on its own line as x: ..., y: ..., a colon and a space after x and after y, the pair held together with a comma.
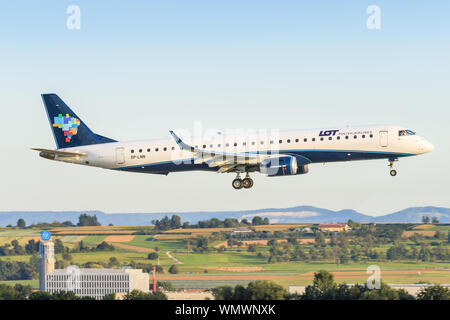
x: 237, y: 183
x: 391, y: 165
x: 247, y: 183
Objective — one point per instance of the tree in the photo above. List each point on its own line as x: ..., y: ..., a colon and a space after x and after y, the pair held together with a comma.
x: 110, y: 296
x: 113, y: 261
x: 87, y: 220
x: 434, y: 293
x: 139, y: 295
x: 425, y: 219
x: 21, y: 223
x: 174, y: 269
x: 434, y: 220
x: 152, y: 256
x: 256, y: 290
x: 257, y: 220
x: 324, y: 280
x: 175, y: 222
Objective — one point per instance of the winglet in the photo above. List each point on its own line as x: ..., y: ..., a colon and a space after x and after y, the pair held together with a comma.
x: 181, y: 144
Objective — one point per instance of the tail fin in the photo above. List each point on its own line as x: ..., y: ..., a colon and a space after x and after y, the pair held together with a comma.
x: 68, y: 129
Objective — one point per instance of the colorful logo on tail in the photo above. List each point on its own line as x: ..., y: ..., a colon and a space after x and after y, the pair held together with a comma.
x: 69, y: 125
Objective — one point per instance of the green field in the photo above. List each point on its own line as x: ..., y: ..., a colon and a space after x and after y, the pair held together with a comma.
x: 237, y: 262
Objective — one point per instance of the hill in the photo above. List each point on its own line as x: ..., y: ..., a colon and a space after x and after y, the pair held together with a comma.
x: 280, y: 215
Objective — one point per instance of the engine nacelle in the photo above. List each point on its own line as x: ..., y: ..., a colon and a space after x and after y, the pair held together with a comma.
x: 282, y: 166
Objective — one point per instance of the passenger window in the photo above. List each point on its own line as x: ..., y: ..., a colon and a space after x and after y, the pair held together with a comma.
x: 204, y: 146
x: 132, y: 151
x: 363, y: 136
x: 296, y: 140
x: 148, y: 150
x: 157, y: 149
x: 271, y: 141
x: 313, y: 139
x: 253, y: 143
x: 218, y: 146
x: 227, y: 144
x: 288, y: 141
x: 244, y: 143
x: 330, y: 138
x: 371, y: 135
x: 304, y: 140
x: 140, y: 150
x: 262, y: 142
x: 210, y: 145
x: 321, y: 139
x: 165, y: 149
x: 346, y: 137
x: 173, y: 148
x: 354, y: 137
x: 235, y: 144
x: 402, y: 133
x: 281, y: 141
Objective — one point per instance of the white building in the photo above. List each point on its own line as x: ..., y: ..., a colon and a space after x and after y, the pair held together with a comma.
x: 96, y: 283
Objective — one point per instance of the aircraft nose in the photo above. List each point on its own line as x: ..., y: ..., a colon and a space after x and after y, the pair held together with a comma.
x: 427, y: 146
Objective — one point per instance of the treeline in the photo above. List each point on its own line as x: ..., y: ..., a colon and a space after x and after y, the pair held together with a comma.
x: 325, y: 288
x: 18, y: 270
x: 175, y: 222
x: 21, y: 292
x: 83, y: 220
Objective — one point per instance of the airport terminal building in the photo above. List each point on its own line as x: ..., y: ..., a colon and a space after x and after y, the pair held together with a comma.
x: 96, y: 283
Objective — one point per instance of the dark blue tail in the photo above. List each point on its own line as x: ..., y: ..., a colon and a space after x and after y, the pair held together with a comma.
x: 68, y: 129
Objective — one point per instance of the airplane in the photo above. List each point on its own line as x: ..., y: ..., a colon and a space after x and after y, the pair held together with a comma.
x: 280, y: 153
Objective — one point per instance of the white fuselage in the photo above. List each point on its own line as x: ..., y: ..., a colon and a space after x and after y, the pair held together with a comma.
x: 318, y: 145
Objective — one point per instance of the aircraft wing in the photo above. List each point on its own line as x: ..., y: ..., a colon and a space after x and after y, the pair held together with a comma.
x: 63, y: 154
x: 226, y: 161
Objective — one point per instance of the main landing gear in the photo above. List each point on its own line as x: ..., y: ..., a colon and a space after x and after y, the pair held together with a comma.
x: 239, y: 183
x: 393, y: 172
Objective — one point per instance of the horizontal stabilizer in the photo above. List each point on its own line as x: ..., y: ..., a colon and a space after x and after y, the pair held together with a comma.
x: 51, y: 154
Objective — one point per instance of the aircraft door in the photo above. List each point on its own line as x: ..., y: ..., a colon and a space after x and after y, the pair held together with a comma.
x: 383, y: 138
x: 120, y: 155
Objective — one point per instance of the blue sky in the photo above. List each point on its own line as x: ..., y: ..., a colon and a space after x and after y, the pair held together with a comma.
x: 136, y: 69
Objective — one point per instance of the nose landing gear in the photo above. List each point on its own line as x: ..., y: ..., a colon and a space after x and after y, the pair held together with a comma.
x: 393, y: 172
x: 239, y: 183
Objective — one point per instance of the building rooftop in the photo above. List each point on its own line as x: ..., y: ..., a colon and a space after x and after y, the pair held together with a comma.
x: 96, y: 270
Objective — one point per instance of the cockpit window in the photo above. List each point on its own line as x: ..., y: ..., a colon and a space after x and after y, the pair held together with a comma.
x: 406, y: 133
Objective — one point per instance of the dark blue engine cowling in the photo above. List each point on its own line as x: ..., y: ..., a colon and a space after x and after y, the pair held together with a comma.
x: 282, y: 166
